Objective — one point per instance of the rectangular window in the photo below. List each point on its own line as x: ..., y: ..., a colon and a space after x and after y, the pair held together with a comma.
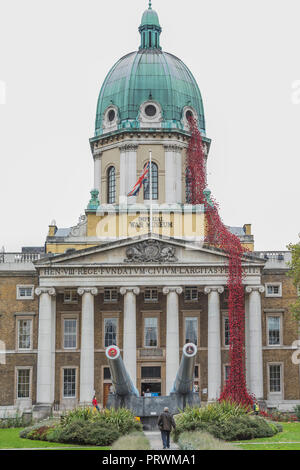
x: 275, y: 378
x: 274, y: 331
x: 25, y: 292
x: 191, y: 330
x: 274, y: 290
x: 191, y: 294
x: 70, y: 333
x: 69, y: 390
x: 24, y: 334
x: 70, y: 297
x: 110, y: 331
x: 151, y: 332
x: 151, y: 295
x: 106, y: 373
x: 226, y: 331
x: 227, y: 372
x: 152, y: 372
x: 23, y: 385
x: 111, y: 295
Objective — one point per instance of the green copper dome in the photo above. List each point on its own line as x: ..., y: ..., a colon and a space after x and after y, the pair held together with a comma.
x: 148, y: 76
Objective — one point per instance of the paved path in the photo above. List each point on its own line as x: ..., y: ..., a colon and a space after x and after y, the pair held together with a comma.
x: 156, y: 442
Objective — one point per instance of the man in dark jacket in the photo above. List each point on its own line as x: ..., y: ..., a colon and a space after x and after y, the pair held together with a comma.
x: 165, y: 423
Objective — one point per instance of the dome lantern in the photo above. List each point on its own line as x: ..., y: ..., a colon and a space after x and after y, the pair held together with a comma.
x: 150, y: 29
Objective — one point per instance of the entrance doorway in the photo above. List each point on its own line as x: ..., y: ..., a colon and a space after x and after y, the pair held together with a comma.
x: 152, y: 389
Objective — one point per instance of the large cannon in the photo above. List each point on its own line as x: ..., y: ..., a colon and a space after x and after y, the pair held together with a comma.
x: 120, y: 378
x: 148, y: 408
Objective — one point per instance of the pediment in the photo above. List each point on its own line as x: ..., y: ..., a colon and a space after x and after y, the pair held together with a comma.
x: 144, y: 250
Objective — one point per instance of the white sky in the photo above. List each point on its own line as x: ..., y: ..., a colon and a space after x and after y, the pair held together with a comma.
x: 54, y: 56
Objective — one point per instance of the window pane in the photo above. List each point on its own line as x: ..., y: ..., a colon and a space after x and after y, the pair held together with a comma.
x: 151, y: 295
x: 191, y: 294
x: 154, y: 183
x: 150, y: 332
x: 188, y: 186
x: 70, y: 333
x: 24, y: 334
x: 227, y: 372
x: 24, y: 383
x: 274, y: 330
x: 69, y: 383
x: 151, y: 372
x: 111, y: 185
x: 191, y: 330
x: 275, y: 378
x: 110, y: 331
x: 110, y: 295
x: 226, y: 332
x: 25, y: 291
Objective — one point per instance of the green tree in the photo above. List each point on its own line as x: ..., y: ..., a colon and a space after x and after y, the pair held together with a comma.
x: 294, y: 273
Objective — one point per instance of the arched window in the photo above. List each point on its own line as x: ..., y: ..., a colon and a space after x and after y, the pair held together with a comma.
x: 154, y: 183
x: 111, y: 185
x: 188, y: 186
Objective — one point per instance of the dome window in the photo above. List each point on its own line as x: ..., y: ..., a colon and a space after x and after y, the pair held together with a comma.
x: 150, y: 110
x: 111, y: 115
x: 187, y: 113
x: 110, y: 119
x: 150, y: 115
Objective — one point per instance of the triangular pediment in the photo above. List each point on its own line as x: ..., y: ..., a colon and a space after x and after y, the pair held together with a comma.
x: 147, y: 249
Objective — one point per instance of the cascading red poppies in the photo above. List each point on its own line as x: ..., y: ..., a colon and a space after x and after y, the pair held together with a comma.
x: 217, y: 234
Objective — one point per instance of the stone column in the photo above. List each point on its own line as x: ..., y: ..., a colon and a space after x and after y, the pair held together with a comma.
x: 214, y: 342
x: 128, y: 172
x: 171, y: 173
x: 46, y: 346
x: 87, y: 344
x: 129, y: 332
x: 98, y: 173
x: 172, y: 337
x: 255, y: 360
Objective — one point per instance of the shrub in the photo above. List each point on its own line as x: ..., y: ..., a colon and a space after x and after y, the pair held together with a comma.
x: 85, y: 432
x: 133, y: 441
x: 49, y: 423
x: 39, y: 434
x: 12, y: 422
x: 226, y: 421
x: 202, y: 441
x: 297, y: 411
x: 121, y: 419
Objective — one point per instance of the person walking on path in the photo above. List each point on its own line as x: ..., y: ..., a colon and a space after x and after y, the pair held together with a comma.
x: 95, y: 403
x: 166, y: 423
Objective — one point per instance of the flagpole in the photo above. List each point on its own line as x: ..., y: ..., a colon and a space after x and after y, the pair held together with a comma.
x: 150, y: 169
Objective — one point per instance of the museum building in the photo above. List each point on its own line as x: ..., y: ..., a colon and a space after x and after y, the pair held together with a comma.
x: 135, y: 271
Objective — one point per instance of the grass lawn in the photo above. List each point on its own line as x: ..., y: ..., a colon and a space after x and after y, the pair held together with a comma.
x: 288, y: 439
x: 9, y: 439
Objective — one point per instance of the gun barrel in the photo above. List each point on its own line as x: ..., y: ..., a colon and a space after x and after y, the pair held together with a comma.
x: 185, y: 376
x: 119, y: 375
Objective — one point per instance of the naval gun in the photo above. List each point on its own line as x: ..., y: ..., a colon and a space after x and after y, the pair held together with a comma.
x: 147, y: 408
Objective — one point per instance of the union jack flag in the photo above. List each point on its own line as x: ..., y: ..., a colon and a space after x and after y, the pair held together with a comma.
x: 136, y: 188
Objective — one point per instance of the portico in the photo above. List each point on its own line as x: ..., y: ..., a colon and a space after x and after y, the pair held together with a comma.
x: 88, y: 273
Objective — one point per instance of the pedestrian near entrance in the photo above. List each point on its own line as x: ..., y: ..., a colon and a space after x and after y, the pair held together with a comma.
x: 256, y: 408
x: 95, y: 403
x: 166, y: 423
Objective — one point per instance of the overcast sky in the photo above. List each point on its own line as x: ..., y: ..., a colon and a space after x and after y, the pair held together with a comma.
x: 54, y: 56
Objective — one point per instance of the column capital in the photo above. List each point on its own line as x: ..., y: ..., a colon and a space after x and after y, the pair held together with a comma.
x: 218, y: 289
x: 87, y: 290
x: 98, y: 155
x: 250, y: 289
x: 45, y: 290
x: 134, y: 290
x: 168, y: 290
